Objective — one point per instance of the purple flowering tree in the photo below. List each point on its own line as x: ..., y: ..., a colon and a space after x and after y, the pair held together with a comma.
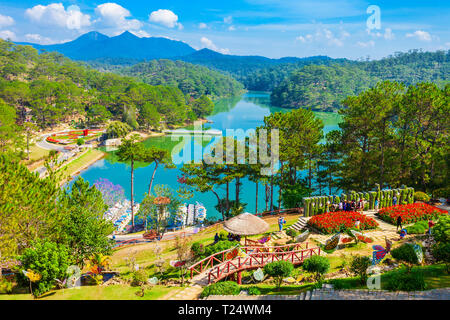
x: 112, y: 193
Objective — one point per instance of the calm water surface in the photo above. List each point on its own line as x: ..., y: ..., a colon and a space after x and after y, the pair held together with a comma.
x: 243, y: 112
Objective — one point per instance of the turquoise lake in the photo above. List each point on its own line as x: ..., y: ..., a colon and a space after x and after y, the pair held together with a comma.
x: 243, y: 112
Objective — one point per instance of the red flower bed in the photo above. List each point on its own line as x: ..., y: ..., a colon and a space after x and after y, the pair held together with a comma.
x: 365, y: 239
x: 410, y: 213
x: 332, y: 222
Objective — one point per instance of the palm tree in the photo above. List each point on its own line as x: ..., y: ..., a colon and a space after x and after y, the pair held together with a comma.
x: 131, y: 150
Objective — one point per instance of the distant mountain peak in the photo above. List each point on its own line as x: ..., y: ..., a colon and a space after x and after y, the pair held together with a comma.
x: 127, y: 35
x: 93, y: 35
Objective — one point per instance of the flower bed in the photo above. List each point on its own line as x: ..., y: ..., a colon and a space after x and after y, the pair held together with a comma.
x: 410, y: 213
x: 332, y: 222
x: 72, y: 136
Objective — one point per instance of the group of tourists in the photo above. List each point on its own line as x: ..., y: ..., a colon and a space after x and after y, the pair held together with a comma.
x: 348, y: 205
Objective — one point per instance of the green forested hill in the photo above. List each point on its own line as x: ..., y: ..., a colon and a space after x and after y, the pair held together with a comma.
x: 193, y: 80
x: 324, y: 87
x: 49, y: 88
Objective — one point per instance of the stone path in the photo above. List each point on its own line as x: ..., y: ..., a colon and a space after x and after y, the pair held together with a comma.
x: 189, y: 293
x: 331, y: 294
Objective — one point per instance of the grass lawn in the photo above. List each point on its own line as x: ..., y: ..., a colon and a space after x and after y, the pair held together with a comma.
x: 114, y: 292
x: 76, y: 165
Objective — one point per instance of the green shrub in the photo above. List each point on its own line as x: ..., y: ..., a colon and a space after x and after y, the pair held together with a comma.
x: 292, y: 233
x: 197, y: 249
x: 219, y: 246
x: 419, y: 227
x: 421, y: 196
x: 139, y: 278
x: 221, y: 288
x: 406, y: 281
x: 48, y: 259
x: 317, y: 265
x: 253, y: 291
x: 441, y: 251
x: 80, y: 141
x: 279, y: 270
x: 6, y: 286
x: 359, y: 265
x: 405, y: 253
x: 441, y: 231
x: 223, y: 235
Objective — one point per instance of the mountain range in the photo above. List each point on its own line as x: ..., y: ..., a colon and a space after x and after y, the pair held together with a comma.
x: 127, y: 48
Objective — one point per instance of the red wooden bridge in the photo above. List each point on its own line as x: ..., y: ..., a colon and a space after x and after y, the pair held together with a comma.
x: 228, y: 262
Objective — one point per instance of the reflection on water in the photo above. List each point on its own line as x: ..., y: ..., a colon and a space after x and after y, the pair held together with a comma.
x: 243, y: 112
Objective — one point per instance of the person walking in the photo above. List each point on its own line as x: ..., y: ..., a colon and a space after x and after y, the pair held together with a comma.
x: 341, y: 206
x: 430, y: 225
x: 394, y: 200
x: 376, y: 204
x: 399, y: 222
x: 281, y: 222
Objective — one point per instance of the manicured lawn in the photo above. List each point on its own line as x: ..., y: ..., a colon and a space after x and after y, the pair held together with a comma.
x: 74, y: 166
x: 115, y: 292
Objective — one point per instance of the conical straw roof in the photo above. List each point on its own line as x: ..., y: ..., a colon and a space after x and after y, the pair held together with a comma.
x: 246, y: 224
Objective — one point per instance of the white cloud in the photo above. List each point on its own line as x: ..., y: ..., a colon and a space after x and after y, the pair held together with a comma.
x: 304, y: 39
x: 231, y: 28
x: 325, y: 36
x: 388, y: 34
x: 202, y: 25
x: 6, y: 21
x: 207, y: 43
x: 37, y: 38
x: 55, y: 14
x: 115, y: 16
x: 420, y: 35
x: 166, y: 18
x: 228, y: 20
x: 141, y: 34
x: 8, y: 35
x: 368, y: 44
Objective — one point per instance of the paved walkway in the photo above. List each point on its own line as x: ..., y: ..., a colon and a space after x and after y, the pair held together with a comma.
x: 331, y: 294
x: 189, y: 293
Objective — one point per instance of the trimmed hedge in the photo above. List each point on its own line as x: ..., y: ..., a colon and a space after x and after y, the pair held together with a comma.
x: 405, y: 253
x: 221, y: 288
x: 419, y: 227
x: 406, y: 281
x: 421, y: 196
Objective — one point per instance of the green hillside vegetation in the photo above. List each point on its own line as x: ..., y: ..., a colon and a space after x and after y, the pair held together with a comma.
x: 324, y: 87
x: 48, y: 88
x: 191, y: 79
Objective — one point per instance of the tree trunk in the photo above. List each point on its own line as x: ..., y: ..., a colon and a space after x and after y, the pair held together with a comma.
x: 309, y: 173
x: 266, y: 186
x: 271, y: 193
x: 237, y: 190
x: 132, y: 189
x: 218, y: 202
x: 227, y: 201
x: 153, y: 177
x: 256, y: 202
x: 382, y: 156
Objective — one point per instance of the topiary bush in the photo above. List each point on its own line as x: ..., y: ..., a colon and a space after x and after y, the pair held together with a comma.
x: 139, y: 278
x: 223, y: 235
x: 441, y: 251
x: 292, y: 233
x: 441, y: 231
x: 219, y: 246
x: 405, y: 253
x: 6, y: 287
x: 406, y: 281
x: 279, y: 270
x: 221, y: 288
x: 253, y: 291
x: 317, y: 265
x: 359, y: 265
x: 419, y: 227
x: 421, y: 196
x: 197, y: 249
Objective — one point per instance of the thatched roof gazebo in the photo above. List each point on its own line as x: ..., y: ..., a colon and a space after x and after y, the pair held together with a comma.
x: 246, y: 224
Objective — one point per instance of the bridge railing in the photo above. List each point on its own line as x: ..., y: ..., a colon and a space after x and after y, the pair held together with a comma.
x: 222, y: 256
x: 259, y: 259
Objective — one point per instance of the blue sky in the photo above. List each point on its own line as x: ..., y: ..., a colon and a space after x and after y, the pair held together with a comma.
x: 272, y: 28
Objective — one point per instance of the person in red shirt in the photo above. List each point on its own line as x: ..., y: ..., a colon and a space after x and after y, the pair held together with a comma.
x: 430, y: 225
